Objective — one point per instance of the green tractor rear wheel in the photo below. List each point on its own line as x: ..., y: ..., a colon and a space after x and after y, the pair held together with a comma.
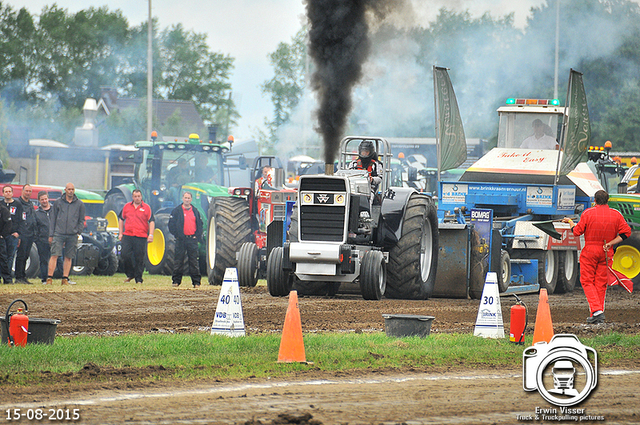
x: 161, y: 251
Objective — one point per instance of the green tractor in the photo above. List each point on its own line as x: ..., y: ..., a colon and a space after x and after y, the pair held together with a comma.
x: 164, y: 171
x: 624, y: 195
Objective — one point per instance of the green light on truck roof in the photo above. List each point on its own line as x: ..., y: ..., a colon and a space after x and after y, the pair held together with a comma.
x: 555, y: 102
x: 511, y: 101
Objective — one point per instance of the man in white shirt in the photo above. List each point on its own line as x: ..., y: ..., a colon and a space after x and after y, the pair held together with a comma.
x: 539, y: 139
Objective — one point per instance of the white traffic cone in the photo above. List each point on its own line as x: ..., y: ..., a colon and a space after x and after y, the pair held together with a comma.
x: 489, y: 322
x: 228, y: 319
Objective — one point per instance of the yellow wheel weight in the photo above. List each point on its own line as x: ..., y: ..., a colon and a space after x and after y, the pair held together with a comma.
x: 155, y: 250
x: 627, y: 260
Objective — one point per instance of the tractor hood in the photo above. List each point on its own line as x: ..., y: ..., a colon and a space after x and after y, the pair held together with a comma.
x: 529, y: 166
x: 209, y: 189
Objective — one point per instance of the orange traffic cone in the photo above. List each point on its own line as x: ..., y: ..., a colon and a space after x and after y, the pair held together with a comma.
x: 291, y: 345
x: 543, y: 330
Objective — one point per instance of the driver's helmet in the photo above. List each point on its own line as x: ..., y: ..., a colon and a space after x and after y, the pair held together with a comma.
x: 366, y: 150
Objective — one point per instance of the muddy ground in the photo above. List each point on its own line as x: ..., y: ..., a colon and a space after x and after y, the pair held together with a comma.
x: 452, y: 395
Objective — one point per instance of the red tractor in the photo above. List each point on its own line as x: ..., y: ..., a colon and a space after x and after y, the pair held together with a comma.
x: 267, y: 201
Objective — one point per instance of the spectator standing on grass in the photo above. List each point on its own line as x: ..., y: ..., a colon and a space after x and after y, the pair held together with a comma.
x: 136, y: 224
x: 27, y: 235
x: 5, y: 231
x: 603, y: 227
x: 186, y: 225
x: 15, y: 209
x: 43, y: 219
x: 67, y: 222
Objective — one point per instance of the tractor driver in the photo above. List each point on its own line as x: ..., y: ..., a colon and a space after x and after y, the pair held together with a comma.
x: 265, y: 181
x: 541, y: 138
x: 367, y: 160
x: 176, y: 177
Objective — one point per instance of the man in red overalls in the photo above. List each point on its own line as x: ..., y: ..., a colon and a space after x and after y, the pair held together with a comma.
x: 602, y: 227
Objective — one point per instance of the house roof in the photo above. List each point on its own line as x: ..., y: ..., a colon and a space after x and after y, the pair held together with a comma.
x: 163, y: 109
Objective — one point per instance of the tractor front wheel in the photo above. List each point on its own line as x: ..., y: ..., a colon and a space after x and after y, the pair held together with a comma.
x: 248, y: 264
x: 373, y: 275
x: 278, y: 281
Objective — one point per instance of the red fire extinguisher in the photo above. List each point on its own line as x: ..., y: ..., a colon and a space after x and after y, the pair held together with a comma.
x: 519, y: 321
x: 18, y: 325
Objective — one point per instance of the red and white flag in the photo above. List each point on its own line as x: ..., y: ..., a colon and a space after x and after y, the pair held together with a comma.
x: 618, y: 278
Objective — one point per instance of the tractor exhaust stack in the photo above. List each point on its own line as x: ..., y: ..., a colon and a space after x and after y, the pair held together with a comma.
x: 328, y: 169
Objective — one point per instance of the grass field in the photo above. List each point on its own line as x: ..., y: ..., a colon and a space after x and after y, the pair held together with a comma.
x: 200, y: 355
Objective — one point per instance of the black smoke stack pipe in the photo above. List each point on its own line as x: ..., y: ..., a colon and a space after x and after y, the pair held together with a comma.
x: 213, y: 132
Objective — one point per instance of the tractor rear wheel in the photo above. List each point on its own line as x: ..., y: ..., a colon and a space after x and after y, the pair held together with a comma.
x: 627, y: 258
x: 414, y: 260
x: 114, y: 202
x: 248, y: 264
x: 228, y: 227
x: 278, y: 281
x: 161, y: 251
x: 567, y: 271
x: 373, y: 275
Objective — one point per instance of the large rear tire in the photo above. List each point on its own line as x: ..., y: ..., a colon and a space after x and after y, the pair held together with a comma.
x: 161, y: 252
x: 228, y: 227
x: 414, y: 260
x: 373, y: 275
x: 567, y: 271
x: 278, y: 281
x: 248, y: 264
x: 547, y: 266
x: 113, y: 202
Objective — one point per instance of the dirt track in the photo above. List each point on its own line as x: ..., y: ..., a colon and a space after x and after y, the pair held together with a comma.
x: 439, y: 396
x: 190, y: 310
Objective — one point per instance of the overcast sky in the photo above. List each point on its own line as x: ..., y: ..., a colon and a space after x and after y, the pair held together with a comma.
x: 249, y: 30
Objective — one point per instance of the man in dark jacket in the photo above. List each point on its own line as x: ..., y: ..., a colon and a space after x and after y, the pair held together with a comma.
x: 43, y: 214
x: 5, y: 231
x: 28, y: 234
x: 186, y: 225
x: 15, y: 209
x: 67, y: 222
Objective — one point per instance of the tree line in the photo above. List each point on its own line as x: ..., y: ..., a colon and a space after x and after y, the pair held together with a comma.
x: 51, y: 62
x: 490, y: 60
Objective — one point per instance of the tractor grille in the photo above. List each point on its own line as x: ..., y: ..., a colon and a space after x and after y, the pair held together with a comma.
x: 322, y: 184
x: 322, y: 223
x: 279, y: 212
x: 626, y: 208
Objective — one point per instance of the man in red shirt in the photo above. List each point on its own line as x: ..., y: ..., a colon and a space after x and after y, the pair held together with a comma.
x: 602, y: 227
x: 136, y: 223
x: 186, y: 225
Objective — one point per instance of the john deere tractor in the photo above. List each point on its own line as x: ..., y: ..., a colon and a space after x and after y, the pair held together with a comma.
x: 383, y: 241
x: 167, y: 169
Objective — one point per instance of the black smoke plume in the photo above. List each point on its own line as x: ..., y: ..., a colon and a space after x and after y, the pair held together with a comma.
x: 339, y: 45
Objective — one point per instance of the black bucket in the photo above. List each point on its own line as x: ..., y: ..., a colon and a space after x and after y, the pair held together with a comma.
x: 401, y: 325
x: 41, y: 331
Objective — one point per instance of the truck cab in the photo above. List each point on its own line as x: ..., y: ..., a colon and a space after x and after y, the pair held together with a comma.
x: 517, y: 119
